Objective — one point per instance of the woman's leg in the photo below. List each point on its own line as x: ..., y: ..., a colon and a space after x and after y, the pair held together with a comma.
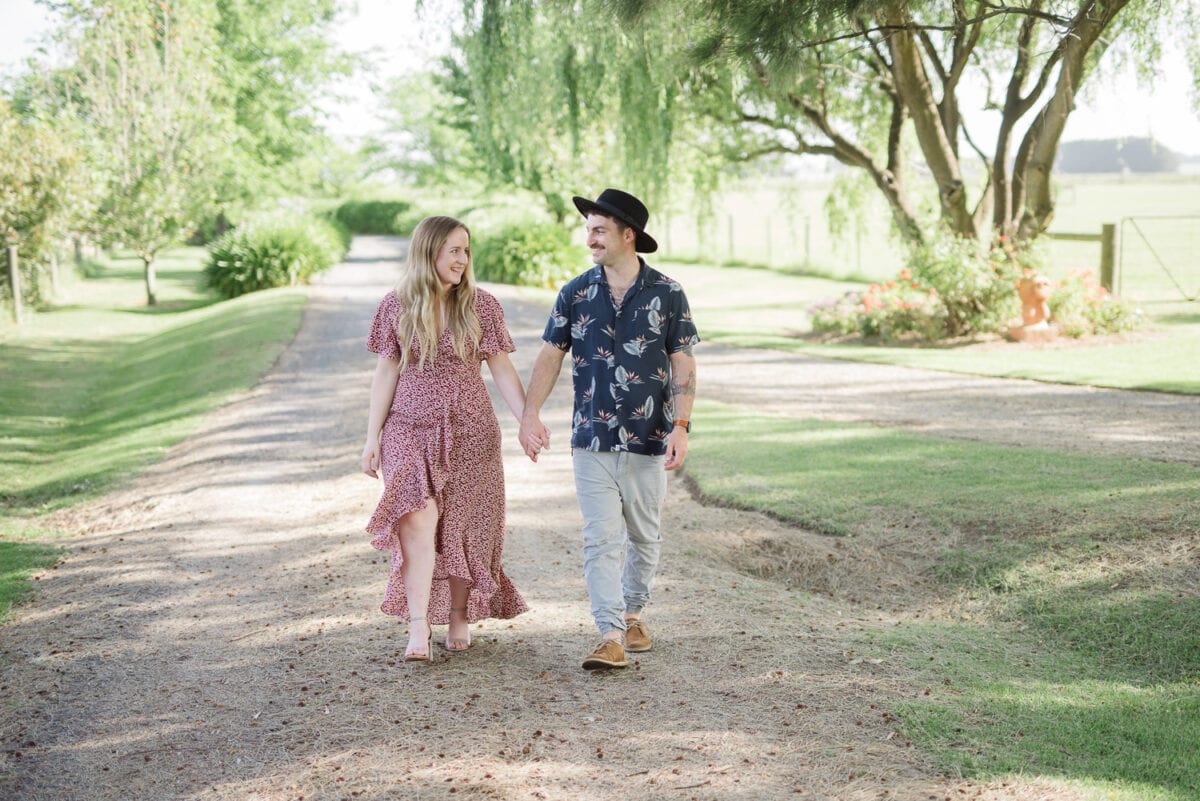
x: 417, y: 532
x: 458, y: 637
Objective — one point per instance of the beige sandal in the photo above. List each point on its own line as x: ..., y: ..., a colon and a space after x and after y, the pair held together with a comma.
x: 457, y: 643
x: 417, y: 656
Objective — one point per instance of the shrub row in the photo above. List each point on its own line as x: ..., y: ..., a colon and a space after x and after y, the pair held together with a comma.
x: 539, y: 255
x: 395, y: 217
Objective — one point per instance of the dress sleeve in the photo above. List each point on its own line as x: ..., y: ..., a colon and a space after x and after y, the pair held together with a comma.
x: 491, y: 319
x: 382, y: 337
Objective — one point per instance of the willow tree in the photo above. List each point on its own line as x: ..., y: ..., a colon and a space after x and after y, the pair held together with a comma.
x: 878, y: 86
x: 559, y: 100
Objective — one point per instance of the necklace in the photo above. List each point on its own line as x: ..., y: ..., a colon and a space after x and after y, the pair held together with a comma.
x: 618, y: 292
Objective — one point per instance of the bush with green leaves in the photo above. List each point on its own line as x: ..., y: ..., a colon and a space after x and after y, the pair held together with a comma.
x: 894, y: 310
x: 974, y: 284
x: 272, y: 251
x: 534, y: 254
x: 1080, y: 307
x: 376, y: 217
x: 952, y: 287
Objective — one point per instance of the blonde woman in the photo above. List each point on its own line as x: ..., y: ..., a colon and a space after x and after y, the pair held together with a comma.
x: 434, y: 436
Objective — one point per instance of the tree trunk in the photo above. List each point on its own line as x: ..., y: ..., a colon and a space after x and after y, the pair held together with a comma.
x: 912, y: 82
x: 1035, y: 158
x: 151, y: 281
x: 53, y: 269
x: 14, y: 282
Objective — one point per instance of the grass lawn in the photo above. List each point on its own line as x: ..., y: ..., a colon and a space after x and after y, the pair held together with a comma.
x: 762, y: 308
x: 99, y: 386
x: 1081, y: 658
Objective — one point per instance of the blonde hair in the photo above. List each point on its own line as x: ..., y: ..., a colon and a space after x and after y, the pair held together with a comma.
x: 420, y: 293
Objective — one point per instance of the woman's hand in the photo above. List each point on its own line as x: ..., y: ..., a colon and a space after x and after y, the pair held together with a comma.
x: 370, y: 457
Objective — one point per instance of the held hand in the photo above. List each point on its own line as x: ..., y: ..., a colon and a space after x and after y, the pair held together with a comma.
x: 677, y: 448
x: 370, y: 459
x: 533, y: 436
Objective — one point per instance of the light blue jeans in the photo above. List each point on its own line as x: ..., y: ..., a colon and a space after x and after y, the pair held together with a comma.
x: 621, y: 498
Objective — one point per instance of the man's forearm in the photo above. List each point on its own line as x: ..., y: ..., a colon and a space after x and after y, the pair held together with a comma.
x: 683, y: 383
x: 542, y: 378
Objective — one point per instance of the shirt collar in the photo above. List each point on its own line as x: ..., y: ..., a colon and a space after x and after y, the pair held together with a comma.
x: 646, y: 274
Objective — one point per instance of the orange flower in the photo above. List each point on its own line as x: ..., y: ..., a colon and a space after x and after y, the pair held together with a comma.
x: 905, y: 275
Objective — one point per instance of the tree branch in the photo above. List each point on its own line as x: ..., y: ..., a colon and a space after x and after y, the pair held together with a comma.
x: 888, y: 29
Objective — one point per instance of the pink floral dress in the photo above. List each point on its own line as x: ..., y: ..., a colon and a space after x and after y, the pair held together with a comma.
x: 441, y: 440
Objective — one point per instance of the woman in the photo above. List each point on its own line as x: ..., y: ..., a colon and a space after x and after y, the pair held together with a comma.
x: 434, y: 434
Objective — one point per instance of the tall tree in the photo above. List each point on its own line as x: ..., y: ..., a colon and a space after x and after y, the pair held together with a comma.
x: 276, y: 59
x: 40, y: 176
x: 874, y: 84
x: 146, y: 94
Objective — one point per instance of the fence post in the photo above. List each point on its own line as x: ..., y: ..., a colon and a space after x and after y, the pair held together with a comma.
x: 807, y: 239
x: 768, y: 240
x: 1109, y: 247
x: 14, y: 281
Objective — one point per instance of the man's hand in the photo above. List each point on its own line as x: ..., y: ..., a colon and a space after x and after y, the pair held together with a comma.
x: 533, y: 436
x: 677, y: 447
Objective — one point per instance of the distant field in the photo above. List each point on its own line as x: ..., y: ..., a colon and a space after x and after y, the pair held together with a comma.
x: 784, y: 225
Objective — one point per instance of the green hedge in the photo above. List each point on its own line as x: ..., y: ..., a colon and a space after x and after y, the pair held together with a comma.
x: 529, y: 255
x: 273, y: 251
x: 395, y: 217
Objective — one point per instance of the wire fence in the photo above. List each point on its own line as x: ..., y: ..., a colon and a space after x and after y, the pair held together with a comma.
x: 1160, y: 259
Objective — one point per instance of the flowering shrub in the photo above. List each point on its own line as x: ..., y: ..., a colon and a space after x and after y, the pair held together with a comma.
x: 975, y: 284
x: 1080, y: 307
x: 951, y: 287
x: 892, y: 310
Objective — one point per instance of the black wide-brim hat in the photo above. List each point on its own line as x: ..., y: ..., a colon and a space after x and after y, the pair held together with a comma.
x: 624, y: 207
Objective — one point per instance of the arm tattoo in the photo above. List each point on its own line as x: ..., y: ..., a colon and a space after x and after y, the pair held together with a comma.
x: 688, y: 387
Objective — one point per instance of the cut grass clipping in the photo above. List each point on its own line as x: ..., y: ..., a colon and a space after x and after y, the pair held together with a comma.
x: 1078, y: 574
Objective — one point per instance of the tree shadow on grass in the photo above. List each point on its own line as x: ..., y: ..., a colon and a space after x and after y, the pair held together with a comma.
x: 144, y: 395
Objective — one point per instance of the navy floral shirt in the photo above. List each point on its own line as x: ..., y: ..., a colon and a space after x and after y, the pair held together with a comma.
x: 621, y: 365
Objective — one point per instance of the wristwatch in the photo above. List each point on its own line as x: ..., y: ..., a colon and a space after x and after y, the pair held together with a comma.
x: 687, y: 425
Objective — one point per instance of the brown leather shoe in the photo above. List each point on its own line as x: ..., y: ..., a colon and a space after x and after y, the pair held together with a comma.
x: 637, y: 637
x: 608, y: 654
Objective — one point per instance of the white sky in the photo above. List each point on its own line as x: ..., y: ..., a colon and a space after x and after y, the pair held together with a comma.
x: 398, y: 42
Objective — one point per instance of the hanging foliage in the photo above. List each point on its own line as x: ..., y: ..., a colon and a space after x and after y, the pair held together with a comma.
x: 877, y: 86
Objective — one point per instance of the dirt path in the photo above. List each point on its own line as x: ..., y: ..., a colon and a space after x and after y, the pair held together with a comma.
x: 1149, y: 425
x: 214, y: 632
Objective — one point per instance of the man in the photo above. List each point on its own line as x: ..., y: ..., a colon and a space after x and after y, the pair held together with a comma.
x: 630, y: 334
